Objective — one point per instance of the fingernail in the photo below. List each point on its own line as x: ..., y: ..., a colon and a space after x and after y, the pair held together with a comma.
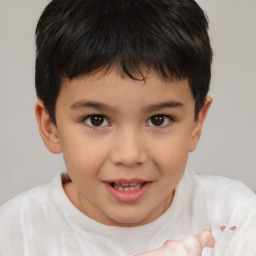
x: 222, y: 228
x: 232, y: 228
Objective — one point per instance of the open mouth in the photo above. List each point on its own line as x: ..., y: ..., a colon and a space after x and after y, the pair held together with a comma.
x: 127, y: 191
x: 127, y: 186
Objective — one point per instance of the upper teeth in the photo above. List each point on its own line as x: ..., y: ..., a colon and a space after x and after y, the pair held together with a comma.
x: 127, y: 187
x: 131, y: 184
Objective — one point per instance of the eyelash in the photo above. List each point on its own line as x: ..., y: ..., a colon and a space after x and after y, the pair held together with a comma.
x: 96, y: 116
x: 166, y: 118
x: 106, y: 123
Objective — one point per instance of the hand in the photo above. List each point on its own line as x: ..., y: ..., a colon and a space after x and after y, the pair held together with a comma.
x: 189, y: 246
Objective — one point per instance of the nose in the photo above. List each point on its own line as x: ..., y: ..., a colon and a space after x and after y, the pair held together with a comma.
x: 128, y: 149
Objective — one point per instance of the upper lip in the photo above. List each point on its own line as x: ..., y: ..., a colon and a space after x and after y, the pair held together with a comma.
x: 126, y: 181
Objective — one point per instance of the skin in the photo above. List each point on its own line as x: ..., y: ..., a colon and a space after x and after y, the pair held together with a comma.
x: 189, y: 246
x: 127, y: 145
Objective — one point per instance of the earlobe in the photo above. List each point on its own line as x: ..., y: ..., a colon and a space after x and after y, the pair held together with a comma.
x: 198, y: 124
x: 47, y: 128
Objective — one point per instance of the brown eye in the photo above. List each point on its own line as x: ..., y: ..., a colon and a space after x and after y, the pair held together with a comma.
x: 96, y: 121
x: 159, y: 121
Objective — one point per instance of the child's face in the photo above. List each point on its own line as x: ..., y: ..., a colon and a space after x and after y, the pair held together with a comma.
x: 119, y: 134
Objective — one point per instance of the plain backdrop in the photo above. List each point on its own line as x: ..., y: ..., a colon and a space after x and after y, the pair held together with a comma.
x: 228, y: 142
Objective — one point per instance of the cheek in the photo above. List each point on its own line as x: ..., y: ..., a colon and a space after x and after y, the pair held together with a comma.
x: 83, y: 156
x: 170, y: 161
x: 171, y: 152
x: 172, y: 166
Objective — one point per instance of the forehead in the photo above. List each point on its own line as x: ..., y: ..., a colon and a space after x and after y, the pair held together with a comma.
x: 117, y: 89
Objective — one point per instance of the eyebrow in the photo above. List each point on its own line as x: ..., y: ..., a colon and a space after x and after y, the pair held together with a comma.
x: 91, y: 104
x: 162, y: 105
x: 150, y: 108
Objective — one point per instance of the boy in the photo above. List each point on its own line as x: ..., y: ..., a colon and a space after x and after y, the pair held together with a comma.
x: 122, y: 88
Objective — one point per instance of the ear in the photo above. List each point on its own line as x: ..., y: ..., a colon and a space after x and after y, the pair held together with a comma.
x: 47, y: 128
x: 198, y: 124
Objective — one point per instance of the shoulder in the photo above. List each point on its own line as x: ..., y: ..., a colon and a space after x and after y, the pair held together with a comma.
x: 33, y: 201
x: 28, y: 205
x: 23, y: 201
x: 17, y: 216
x: 34, y: 197
x: 218, y: 187
x: 216, y: 198
x: 18, y: 211
x: 27, y: 215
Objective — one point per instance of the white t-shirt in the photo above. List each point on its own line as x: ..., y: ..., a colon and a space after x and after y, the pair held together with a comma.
x: 43, y: 221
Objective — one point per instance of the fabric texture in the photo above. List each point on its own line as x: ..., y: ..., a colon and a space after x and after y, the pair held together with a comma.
x: 43, y: 221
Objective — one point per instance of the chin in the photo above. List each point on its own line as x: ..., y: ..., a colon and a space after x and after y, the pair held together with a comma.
x: 129, y: 219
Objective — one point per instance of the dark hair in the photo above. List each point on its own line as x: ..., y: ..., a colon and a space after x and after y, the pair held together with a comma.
x: 77, y: 37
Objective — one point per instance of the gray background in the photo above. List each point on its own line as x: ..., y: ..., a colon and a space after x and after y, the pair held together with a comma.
x: 228, y: 143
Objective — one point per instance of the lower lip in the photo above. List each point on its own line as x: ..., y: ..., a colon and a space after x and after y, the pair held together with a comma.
x: 127, y: 196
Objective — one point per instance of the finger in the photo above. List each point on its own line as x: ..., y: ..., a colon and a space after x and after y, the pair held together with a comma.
x: 222, y: 228
x: 206, y: 239
x: 232, y: 228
